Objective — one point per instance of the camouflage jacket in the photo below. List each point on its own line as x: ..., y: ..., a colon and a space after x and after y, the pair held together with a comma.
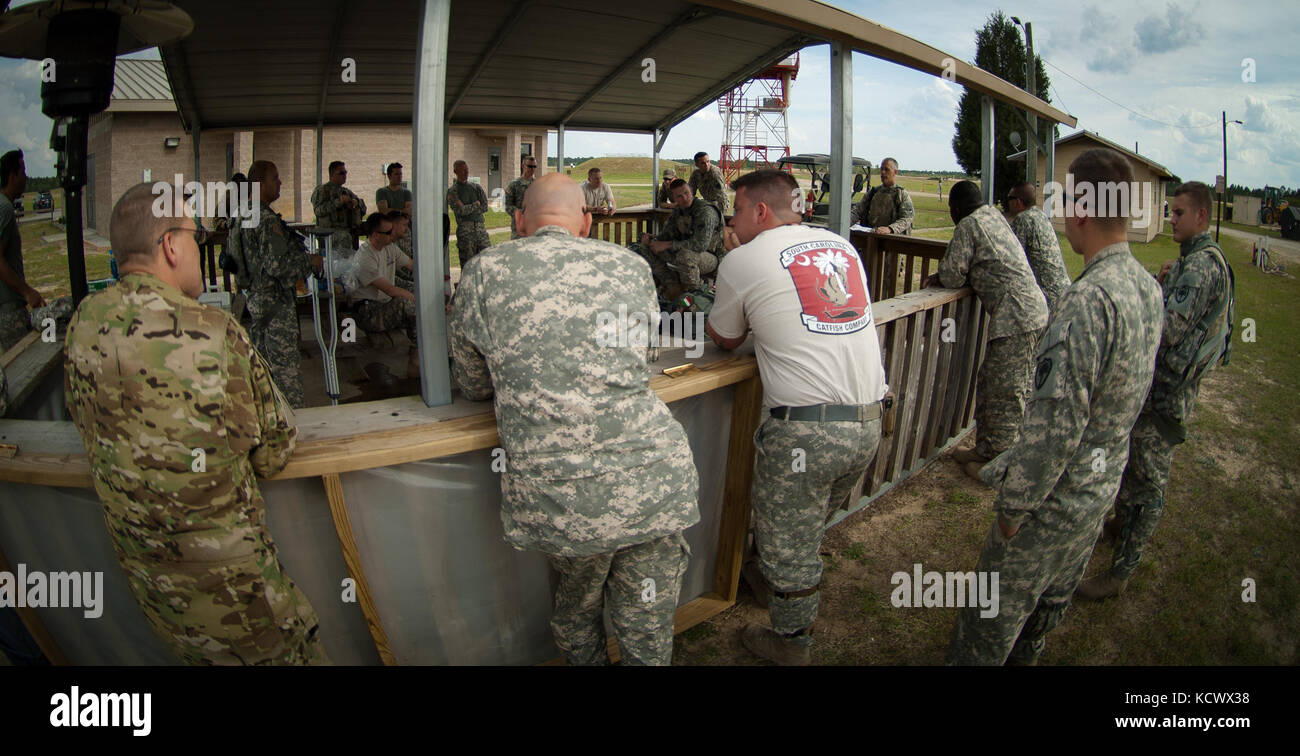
x: 697, y: 228
x: 710, y: 185
x: 595, y: 461
x: 327, y: 201
x: 1043, y: 251
x: 1094, y: 365
x: 1198, y: 293
x: 887, y: 206
x: 474, y: 201
x: 276, y: 258
x: 152, y: 377
x: 515, y: 201
x: 985, y: 255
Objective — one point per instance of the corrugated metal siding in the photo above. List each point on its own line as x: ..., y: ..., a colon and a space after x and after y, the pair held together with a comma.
x: 141, y: 80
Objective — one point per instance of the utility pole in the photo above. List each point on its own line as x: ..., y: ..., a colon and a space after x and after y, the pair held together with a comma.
x: 1223, y: 197
x: 1031, y: 86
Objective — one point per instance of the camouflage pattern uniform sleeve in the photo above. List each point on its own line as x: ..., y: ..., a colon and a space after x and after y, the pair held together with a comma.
x: 514, y: 196
x: 1068, y: 359
x: 481, y: 205
x: 469, y: 369
x: 1194, y: 284
x: 955, y: 265
x: 259, y: 420
x: 324, y: 201
x: 906, y: 213
x: 281, y: 257
x: 704, y: 227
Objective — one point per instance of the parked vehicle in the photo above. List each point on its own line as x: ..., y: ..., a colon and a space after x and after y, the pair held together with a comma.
x: 818, y: 208
x: 44, y: 201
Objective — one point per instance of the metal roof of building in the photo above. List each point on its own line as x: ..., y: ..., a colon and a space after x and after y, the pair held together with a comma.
x: 141, y: 82
x: 513, y: 62
x: 1101, y: 141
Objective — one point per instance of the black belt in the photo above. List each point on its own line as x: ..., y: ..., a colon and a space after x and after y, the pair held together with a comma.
x: 830, y: 413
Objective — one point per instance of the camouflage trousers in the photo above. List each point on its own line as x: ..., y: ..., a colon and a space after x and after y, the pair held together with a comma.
x: 1141, y: 498
x: 273, y: 329
x: 244, y: 611
x: 1002, y: 389
x: 802, y: 471
x: 639, y: 584
x: 471, y: 238
x: 689, y: 266
x: 377, y: 317
x: 1038, y: 569
x: 14, y: 324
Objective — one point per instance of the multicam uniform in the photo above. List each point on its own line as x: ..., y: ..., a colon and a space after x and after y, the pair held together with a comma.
x: 1093, y: 366
x: 887, y: 206
x: 985, y: 255
x: 804, y: 294
x: 327, y: 201
x: 151, y: 376
x: 471, y: 231
x: 711, y: 186
x: 598, y: 474
x: 696, y: 236
x: 1043, y: 251
x: 515, y: 201
x: 14, y: 319
x: 277, y: 261
x: 1198, y: 315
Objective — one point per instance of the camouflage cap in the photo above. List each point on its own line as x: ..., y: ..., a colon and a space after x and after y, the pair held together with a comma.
x: 669, y: 173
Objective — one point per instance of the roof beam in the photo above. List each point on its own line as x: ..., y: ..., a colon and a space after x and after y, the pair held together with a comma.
x: 499, y: 39
x: 692, y: 14
x: 765, y: 61
x: 182, y: 86
x: 336, y: 31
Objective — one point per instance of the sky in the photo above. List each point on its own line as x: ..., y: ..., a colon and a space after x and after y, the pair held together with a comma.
x: 1168, y: 69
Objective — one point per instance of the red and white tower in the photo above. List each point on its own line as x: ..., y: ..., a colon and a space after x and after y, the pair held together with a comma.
x: 755, y: 131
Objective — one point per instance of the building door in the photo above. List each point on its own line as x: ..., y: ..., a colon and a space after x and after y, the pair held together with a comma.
x: 90, y: 193
x: 494, y: 169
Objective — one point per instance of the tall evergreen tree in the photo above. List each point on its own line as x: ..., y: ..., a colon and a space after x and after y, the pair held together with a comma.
x: 1000, y: 50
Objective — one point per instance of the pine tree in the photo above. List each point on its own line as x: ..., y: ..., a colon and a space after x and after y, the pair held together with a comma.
x: 1000, y: 50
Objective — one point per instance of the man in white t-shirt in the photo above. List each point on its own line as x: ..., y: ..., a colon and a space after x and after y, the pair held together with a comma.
x: 598, y: 197
x: 381, y: 304
x: 803, y: 293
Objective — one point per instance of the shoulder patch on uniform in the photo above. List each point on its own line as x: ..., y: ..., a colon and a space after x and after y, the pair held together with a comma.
x: 1042, y: 373
x: 1181, y: 293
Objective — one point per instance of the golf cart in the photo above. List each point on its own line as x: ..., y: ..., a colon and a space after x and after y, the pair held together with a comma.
x: 817, y: 210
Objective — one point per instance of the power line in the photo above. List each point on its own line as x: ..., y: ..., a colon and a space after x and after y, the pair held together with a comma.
x: 1122, y: 105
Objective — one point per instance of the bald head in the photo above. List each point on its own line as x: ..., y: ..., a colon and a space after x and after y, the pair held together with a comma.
x: 554, y: 200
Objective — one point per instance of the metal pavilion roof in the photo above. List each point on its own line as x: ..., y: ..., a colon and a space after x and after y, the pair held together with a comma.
x: 517, y: 62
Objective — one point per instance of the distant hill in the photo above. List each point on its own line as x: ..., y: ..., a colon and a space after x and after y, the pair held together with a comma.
x: 629, y: 166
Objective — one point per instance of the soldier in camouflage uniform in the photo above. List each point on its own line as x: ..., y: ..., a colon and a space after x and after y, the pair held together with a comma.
x: 468, y: 202
x: 1053, y: 488
x: 1038, y: 238
x: 178, y: 412
x: 887, y: 208
x: 15, y: 295
x: 338, y: 208
x: 1198, y: 293
x: 515, y: 193
x: 803, y: 292
x: 664, y: 195
x: 277, y: 261
x: 985, y: 255
x: 598, y: 474
x: 691, y: 239
x: 708, y: 181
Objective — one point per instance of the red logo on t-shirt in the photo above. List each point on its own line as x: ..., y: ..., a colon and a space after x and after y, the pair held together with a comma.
x: 832, y: 289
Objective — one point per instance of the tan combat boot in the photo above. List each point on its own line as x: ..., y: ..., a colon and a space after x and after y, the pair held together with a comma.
x: 973, y: 470
x: 963, y: 456
x: 764, y: 642
x: 1100, y: 587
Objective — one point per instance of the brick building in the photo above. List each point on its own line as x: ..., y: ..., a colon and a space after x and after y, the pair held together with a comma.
x: 140, y: 138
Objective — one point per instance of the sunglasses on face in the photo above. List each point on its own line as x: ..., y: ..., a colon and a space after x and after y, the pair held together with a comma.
x: 201, y: 234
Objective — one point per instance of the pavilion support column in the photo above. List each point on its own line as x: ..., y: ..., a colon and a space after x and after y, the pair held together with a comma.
x: 559, y: 148
x: 429, y: 156
x: 986, y: 149
x: 655, y: 179
x: 841, y: 167
x: 1049, y: 171
x: 320, y: 152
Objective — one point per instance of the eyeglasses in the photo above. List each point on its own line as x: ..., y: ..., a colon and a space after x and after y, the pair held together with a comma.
x: 201, y: 234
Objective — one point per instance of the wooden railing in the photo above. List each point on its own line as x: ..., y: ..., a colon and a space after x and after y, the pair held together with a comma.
x: 626, y: 226
x: 896, y: 264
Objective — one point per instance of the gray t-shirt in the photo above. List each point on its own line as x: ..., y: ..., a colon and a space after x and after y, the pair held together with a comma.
x: 396, y: 199
x: 11, y: 248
